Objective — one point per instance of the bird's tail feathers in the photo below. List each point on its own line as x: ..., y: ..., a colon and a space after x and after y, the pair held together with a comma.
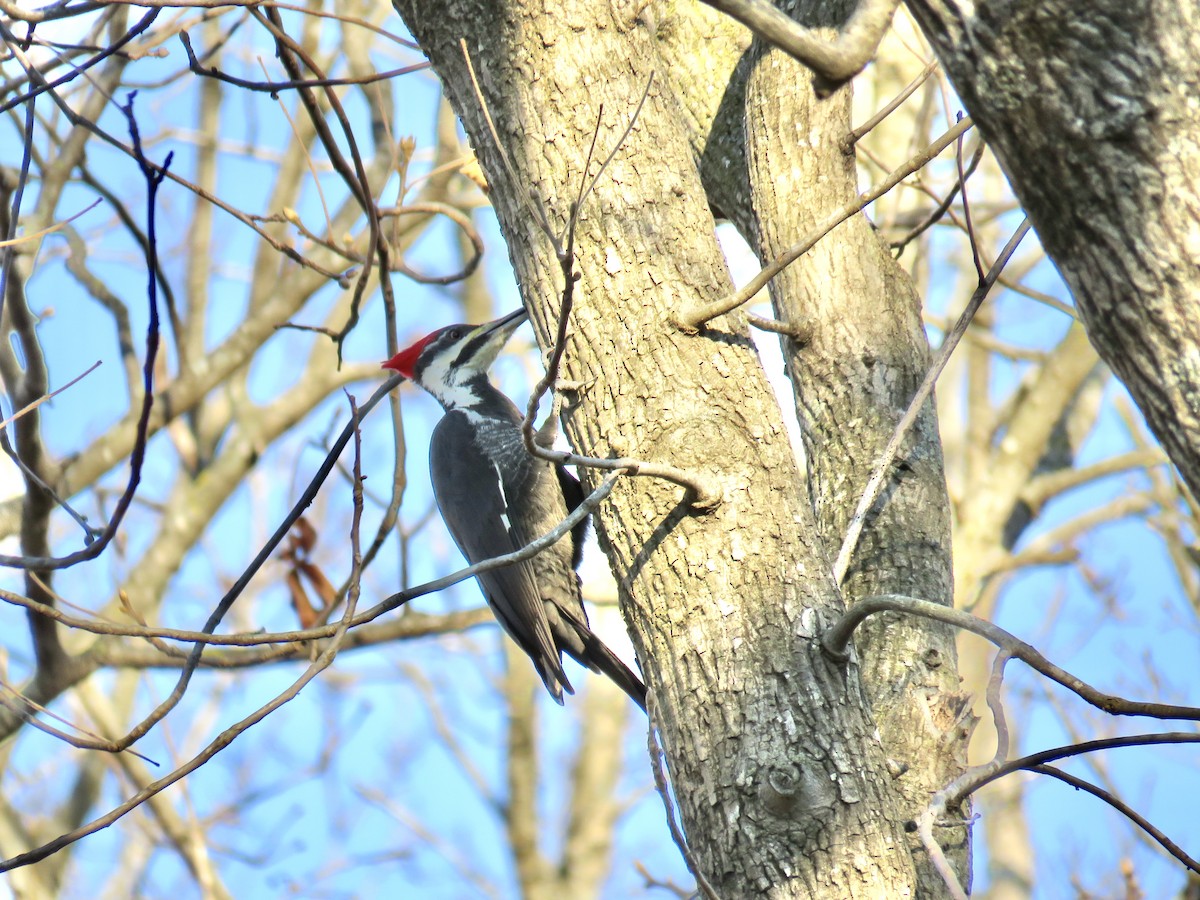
x: 599, y: 658
x: 554, y: 679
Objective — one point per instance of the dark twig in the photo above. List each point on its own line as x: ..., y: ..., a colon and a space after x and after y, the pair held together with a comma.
x: 966, y: 205
x: 153, y: 175
x: 1056, y: 753
x: 228, y: 736
x: 275, y: 87
x: 943, y: 205
x: 30, y: 407
x: 354, y: 177
x: 1124, y: 809
x: 14, y: 215
x: 836, y: 641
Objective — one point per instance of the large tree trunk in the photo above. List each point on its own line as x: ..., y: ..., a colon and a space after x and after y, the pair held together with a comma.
x: 782, y: 784
x: 1093, y: 109
x: 774, y: 160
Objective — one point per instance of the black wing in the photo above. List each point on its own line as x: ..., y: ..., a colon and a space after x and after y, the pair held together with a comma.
x: 572, y: 492
x: 473, y: 493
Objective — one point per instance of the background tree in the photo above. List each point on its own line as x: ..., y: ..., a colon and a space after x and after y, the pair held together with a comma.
x: 728, y: 585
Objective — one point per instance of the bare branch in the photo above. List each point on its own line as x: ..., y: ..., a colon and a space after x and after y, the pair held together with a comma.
x: 834, y: 61
x: 875, y: 482
x: 1124, y: 809
x: 836, y: 640
x: 891, y: 106
x: 692, y: 321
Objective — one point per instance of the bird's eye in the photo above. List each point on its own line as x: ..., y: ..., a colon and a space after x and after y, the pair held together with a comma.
x: 455, y: 334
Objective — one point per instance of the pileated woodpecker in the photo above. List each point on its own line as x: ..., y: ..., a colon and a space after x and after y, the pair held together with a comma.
x: 496, y: 497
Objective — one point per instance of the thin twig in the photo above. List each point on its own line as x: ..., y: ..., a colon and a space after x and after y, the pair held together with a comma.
x: 879, y: 473
x: 866, y: 127
x: 354, y: 177
x: 978, y: 776
x: 658, y: 767
x: 531, y: 202
x: 966, y: 205
x: 50, y: 396
x: 943, y: 205
x: 637, y: 111
x: 57, y: 226
x: 1056, y: 753
x: 97, y: 742
x: 695, y: 319
x: 1124, y: 809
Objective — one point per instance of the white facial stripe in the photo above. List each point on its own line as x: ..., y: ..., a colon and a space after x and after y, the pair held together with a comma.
x: 437, y: 379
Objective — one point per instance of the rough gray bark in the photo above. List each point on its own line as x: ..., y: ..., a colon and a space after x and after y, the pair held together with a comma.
x: 1093, y: 109
x: 852, y: 379
x: 782, y: 788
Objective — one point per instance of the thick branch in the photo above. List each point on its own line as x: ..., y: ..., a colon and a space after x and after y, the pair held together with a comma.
x: 835, y: 61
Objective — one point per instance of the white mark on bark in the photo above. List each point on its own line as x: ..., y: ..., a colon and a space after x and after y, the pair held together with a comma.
x: 612, y: 261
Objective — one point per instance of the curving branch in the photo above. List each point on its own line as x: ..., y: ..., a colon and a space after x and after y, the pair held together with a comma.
x: 834, y: 62
x: 1124, y: 809
x: 153, y: 175
x: 835, y: 642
